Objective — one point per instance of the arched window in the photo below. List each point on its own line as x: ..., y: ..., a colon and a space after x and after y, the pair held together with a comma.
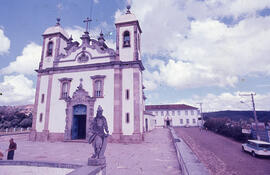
x: 65, y: 90
x: 98, y: 88
x: 126, y: 40
x: 50, y: 49
x: 64, y: 87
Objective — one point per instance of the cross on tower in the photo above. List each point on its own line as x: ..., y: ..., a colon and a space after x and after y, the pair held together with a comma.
x: 87, y: 21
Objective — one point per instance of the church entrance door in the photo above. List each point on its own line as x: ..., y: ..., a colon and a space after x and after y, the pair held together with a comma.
x: 78, y: 130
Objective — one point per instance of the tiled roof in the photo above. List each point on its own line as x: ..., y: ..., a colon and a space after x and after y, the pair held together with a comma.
x: 169, y: 107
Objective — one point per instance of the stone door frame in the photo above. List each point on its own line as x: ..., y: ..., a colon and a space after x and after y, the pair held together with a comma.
x: 79, y: 97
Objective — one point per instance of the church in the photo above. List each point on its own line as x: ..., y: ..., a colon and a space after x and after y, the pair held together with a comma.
x: 73, y: 79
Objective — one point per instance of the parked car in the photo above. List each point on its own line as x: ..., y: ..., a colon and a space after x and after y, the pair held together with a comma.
x: 257, y: 148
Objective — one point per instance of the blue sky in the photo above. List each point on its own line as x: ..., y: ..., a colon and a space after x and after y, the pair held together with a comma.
x: 194, y: 51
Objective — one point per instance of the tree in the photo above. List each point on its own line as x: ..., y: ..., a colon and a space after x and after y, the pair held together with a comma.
x: 27, y: 122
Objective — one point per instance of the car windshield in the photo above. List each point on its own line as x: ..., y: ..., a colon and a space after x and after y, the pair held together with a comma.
x: 264, y: 146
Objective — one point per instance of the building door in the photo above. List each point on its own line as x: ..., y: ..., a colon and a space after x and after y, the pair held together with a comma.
x: 168, y: 123
x: 78, y: 130
x: 146, y: 124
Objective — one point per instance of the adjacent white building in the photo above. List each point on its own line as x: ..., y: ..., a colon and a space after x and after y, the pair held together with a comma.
x: 74, y: 79
x: 174, y: 115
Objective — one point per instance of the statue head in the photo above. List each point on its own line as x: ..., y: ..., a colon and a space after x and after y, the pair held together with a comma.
x: 99, y: 111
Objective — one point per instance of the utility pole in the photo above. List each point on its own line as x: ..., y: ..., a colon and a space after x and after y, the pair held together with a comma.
x: 200, y: 103
x: 254, y: 111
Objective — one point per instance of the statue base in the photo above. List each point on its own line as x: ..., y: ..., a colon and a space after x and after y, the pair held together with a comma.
x: 96, y: 162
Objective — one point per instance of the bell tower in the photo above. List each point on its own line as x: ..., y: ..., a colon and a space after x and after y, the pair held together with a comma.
x: 54, y: 40
x: 128, y: 113
x: 128, y: 32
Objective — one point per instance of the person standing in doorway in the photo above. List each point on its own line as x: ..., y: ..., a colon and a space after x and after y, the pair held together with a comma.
x: 11, y: 149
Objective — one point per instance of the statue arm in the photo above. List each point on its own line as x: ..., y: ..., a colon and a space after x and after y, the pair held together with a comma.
x: 106, y: 125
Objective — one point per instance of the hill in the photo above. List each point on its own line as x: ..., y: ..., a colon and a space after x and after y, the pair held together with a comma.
x: 263, y: 116
x: 15, y: 116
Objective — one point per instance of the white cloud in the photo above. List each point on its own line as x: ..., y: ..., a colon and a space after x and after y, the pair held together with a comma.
x: 17, y: 90
x: 25, y: 63
x: 229, y: 101
x: 76, y: 32
x: 96, y: 1
x: 201, y: 50
x: 5, y: 43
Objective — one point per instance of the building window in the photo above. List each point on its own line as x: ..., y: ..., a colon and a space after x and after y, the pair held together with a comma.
x: 179, y: 112
x: 187, y: 121
x: 40, y: 117
x: 156, y: 112
x: 192, y: 112
x: 127, y: 117
x: 162, y: 113
x: 155, y: 121
x: 50, y: 48
x: 194, y: 121
x: 42, y: 98
x: 97, y: 88
x: 127, y: 94
x: 98, y: 85
x: 65, y: 90
x: 173, y: 113
x: 186, y: 112
x: 181, y: 121
x: 126, y: 39
x: 65, y: 86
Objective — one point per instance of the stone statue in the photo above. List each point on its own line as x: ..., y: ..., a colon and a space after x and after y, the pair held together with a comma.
x: 98, y: 137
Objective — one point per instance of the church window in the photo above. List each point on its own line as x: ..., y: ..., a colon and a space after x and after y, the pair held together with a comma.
x: 40, y: 117
x: 42, y: 98
x: 126, y: 39
x: 127, y: 94
x: 50, y: 49
x: 127, y: 117
x: 181, y: 121
x: 98, y: 85
x: 187, y: 121
x: 98, y: 88
x: 186, y: 112
x: 65, y: 87
x: 65, y: 90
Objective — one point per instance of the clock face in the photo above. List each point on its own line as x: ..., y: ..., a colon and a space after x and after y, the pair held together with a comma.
x: 79, y: 110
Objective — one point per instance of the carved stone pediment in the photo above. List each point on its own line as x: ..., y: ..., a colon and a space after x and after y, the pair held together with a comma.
x: 79, y: 97
x: 83, y: 57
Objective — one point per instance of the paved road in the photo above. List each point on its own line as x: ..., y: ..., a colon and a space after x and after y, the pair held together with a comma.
x: 221, y: 155
x: 155, y: 156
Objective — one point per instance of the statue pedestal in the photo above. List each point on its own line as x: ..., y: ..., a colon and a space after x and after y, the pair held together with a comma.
x: 96, y: 162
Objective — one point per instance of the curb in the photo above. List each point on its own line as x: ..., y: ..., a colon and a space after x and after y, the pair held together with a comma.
x: 187, y: 160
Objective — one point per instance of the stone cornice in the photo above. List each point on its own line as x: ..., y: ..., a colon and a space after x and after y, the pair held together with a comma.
x: 96, y: 66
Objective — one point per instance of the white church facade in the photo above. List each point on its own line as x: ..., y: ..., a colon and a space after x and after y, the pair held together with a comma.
x: 74, y: 79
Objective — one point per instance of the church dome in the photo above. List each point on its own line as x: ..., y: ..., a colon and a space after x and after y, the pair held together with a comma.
x: 55, y: 29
